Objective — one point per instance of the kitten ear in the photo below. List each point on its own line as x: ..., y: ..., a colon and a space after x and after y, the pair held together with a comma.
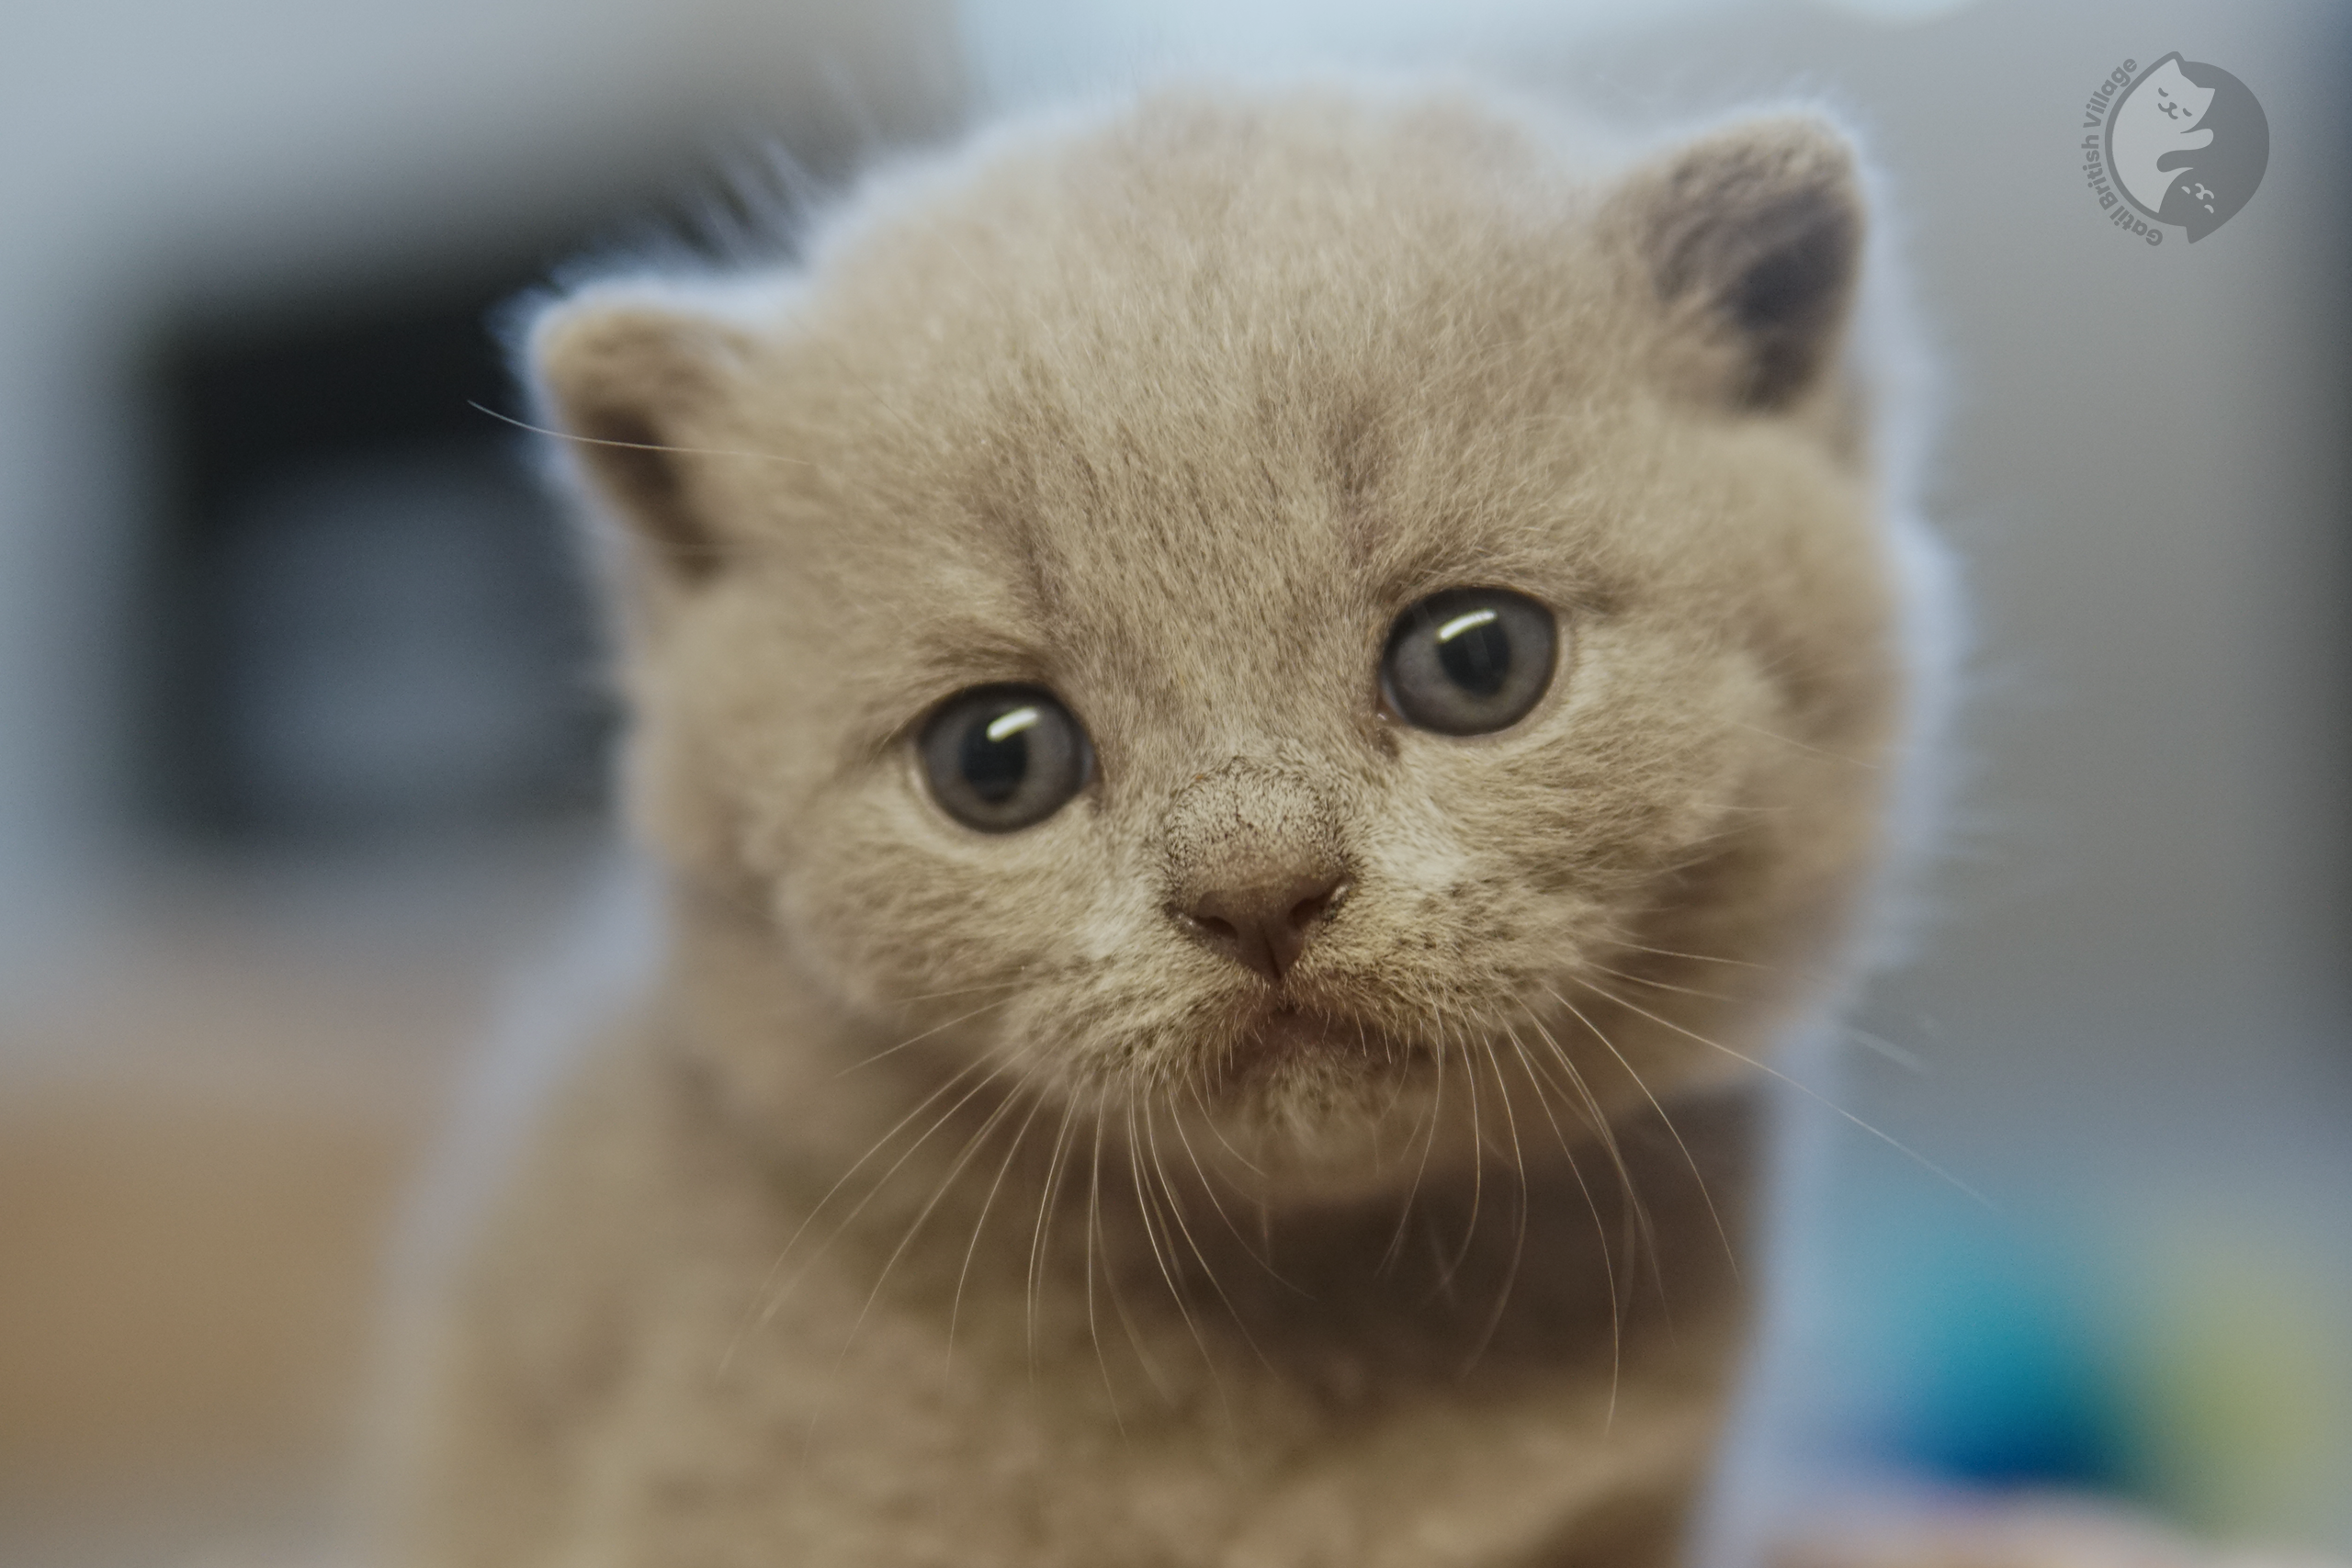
x: 632, y: 378
x: 1752, y: 238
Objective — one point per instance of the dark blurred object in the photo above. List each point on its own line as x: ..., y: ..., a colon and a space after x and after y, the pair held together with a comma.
x: 367, y: 617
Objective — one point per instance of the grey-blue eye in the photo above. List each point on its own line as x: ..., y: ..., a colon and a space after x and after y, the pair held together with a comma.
x: 1001, y: 757
x: 1469, y: 660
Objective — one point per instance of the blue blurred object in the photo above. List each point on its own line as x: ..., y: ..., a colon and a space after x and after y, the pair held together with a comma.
x: 1964, y: 1348
x: 2192, y: 1358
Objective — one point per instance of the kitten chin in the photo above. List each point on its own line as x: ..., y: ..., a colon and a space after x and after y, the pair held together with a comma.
x: 1259, y: 709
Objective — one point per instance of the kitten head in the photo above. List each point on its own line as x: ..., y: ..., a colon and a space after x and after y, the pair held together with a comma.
x: 1312, y: 608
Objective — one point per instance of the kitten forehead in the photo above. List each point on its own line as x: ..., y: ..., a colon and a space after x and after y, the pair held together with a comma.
x: 1233, y: 344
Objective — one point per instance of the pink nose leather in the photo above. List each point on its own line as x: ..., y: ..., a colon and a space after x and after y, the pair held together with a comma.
x: 1264, y: 926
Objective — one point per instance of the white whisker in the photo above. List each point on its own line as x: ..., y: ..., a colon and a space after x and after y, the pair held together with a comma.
x: 956, y: 1307
x: 1730, y: 1252
x: 918, y: 1039
x: 1808, y: 1091
x: 1600, y: 1227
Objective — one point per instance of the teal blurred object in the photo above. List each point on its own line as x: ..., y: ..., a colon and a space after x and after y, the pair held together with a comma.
x: 2195, y: 1363
x: 1967, y: 1349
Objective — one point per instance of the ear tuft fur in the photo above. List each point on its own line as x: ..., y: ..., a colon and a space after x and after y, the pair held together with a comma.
x: 630, y: 379
x: 1752, y: 237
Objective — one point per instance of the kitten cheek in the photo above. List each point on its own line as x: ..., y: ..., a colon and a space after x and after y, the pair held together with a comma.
x: 896, y: 901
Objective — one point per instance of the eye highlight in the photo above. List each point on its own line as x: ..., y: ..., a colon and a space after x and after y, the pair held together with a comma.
x: 1002, y: 757
x: 1469, y: 660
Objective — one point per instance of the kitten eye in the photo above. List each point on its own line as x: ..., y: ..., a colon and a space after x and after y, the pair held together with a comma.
x: 999, y: 758
x: 1468, y: 660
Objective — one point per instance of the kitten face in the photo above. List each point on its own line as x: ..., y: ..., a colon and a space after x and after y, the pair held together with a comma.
x: 1206, y: 422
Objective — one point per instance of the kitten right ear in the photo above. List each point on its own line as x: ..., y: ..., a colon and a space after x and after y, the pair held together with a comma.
x: 633, y: 379
x: 1752, y: 238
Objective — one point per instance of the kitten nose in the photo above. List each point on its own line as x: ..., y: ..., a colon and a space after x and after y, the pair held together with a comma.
x: 1256, y: 862
x: 1264, y: 925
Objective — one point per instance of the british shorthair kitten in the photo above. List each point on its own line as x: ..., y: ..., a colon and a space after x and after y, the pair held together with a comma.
x: 1256, y: 711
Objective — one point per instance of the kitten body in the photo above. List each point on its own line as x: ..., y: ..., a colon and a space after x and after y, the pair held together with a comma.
x: 971, y: 1197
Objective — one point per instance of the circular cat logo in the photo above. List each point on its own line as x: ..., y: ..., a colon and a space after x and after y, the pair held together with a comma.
x: 2187, y: 144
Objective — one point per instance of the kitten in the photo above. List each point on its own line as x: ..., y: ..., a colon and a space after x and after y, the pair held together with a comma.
x: 1256, y: 709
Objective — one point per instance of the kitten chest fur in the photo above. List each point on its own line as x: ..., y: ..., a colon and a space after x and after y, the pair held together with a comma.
x: 663, y: 1393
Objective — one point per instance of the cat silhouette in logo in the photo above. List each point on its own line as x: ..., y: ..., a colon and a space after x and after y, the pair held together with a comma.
x: 2188, y: 143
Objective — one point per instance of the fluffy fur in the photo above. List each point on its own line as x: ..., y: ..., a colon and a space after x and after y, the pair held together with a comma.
x: 945, y: 1202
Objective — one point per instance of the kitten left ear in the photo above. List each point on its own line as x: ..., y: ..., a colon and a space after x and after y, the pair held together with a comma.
x: 632, y: 379
x: 1751, y: 239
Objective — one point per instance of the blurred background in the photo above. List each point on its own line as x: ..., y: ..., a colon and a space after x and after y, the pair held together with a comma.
x: 300, y: 737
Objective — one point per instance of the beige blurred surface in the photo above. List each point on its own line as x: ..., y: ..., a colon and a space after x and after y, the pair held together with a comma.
x: 202, y: 1150
x: 2028, y: 1531
x: 185, y: 1284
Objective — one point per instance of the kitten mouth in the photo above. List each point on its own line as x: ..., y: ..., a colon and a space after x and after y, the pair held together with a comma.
x: 1291, y: 1028
x: 1288, y: 1033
